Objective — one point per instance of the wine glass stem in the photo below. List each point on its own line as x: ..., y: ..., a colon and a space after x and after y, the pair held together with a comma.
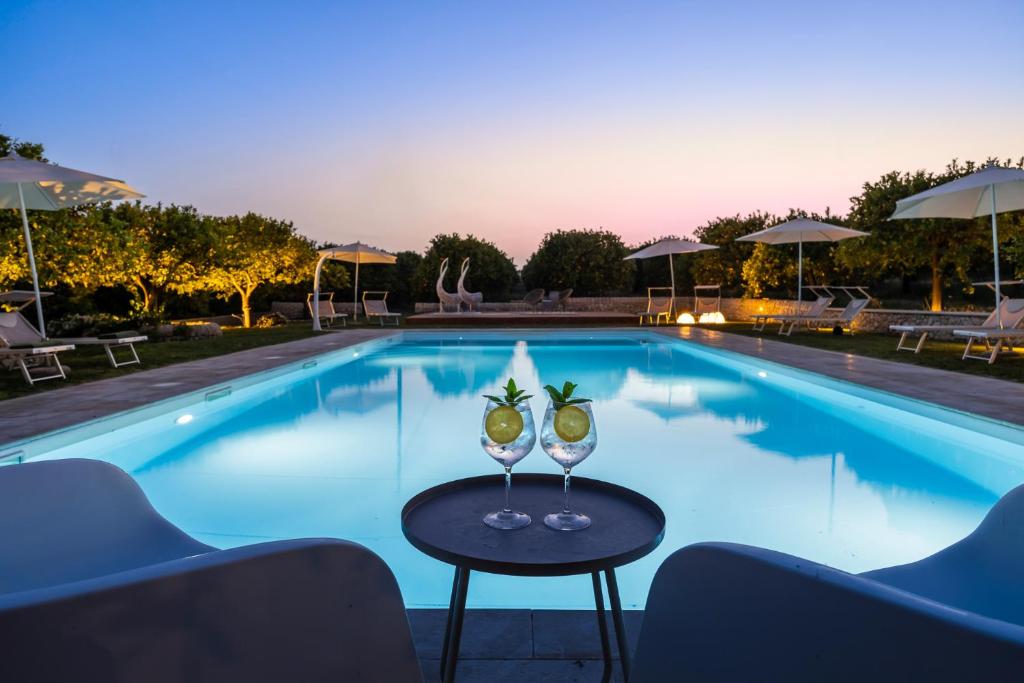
x: 508, y: 489
x: 565, y: 506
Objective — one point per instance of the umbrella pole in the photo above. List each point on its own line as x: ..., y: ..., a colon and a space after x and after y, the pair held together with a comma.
x: 672, y: 275
x: 800, y: 275
x: 995, y: 252
x: 315, y: 310
x: 355, y: 292
x: 32, y: 262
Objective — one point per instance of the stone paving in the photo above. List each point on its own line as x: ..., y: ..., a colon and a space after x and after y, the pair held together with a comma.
x: 521, y: 644
x: 993, y: 398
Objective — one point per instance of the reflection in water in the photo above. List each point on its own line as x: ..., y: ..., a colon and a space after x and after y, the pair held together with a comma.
x: 728, y: 455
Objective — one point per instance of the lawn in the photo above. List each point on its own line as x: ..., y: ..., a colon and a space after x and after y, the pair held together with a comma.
x: 89, y: 363
x: 936, y: 354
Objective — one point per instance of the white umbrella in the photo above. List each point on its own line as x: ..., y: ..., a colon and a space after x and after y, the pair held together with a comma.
x: 669, y: 247
x: 993, y: 189
x: 801, y: 230
x: 356, y: 253
x: 31, y: 184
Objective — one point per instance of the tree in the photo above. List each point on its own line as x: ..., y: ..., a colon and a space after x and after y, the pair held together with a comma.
x: 168, y: 249
x: 491, y: 270
x: 253, y: 250
x: 724, y: 266
x: 591, y: 262
x: 29, y: 150
x: 939, y: 246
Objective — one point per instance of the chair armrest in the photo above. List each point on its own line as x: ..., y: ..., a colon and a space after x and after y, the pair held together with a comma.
x: 314, y: 609
x: 724, y: 612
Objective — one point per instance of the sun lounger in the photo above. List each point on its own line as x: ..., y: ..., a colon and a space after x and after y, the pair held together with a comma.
x: 1003, y: 342
x: 37, y: 362
x: 843, y: 321
x: 1011, y: 310
x: 729, y: 612
x: 375, y: 305
x: 95, y: 585
x: 16, y: 330
x: 534, y: 298
x: 325, y: 309
x: 814, y: 310
x: 660, y: 304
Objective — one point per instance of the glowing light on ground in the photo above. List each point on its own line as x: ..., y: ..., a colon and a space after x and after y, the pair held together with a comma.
x: 715, y: 318
x: 685, y: 319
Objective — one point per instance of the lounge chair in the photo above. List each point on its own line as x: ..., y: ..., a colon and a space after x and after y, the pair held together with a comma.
x: 472, y: 300
x: 16, y: 331
x: 325, y: 309
x: 534, y: 298
x: 843, y: 321
x: 1011, y: 310
x: 813, y: 310
x: 96, y: 586
x: 375, y: 305
x: 660, y: 304
x: 37, y: 362
x: 727, y: 612
x: 557, y: 299
x: 1004, y: 342
x: 445, y: 297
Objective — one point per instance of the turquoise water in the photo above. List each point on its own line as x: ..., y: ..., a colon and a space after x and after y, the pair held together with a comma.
x: 731, y: 448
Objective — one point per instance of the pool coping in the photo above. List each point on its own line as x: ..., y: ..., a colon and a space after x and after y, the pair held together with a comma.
x: 28, y: 417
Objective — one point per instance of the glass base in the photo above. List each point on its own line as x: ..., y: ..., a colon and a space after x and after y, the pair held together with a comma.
x: 507, y: 520
x: 567, y: 521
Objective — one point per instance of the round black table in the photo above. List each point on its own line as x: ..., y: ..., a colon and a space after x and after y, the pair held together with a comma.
x: 445, y: 522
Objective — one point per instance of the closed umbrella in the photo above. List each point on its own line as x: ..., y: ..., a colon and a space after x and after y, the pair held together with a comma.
x: 800, y: 230
x: 30, y: 184
x: 356, y: 253
x: 992, y: 190
x: 670, y: 247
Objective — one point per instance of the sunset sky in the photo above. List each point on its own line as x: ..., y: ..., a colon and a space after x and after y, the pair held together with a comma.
x: 388, y: 123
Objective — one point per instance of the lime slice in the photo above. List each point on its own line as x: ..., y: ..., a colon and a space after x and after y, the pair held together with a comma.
x: 571, y: 423
x: 504, y: 424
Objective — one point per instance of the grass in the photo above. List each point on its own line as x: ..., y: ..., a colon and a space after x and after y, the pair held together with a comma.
x: 936, y: 354
x: 90, y: 363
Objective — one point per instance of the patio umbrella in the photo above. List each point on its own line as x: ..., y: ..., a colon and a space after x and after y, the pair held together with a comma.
x: 801, y: 230
x: 670, y: 247
x: 30, y: 184
x: 993, y: 189
x: 356, y: 253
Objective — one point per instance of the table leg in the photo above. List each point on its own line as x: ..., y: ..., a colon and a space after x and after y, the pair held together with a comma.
x: 448, y: 625
x: 453, y: 632
x: 620, y: 628
x: 602, y: 626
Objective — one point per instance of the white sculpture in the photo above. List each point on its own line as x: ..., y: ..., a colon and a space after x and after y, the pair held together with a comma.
x: 447, y: 298
x: 471, y: 299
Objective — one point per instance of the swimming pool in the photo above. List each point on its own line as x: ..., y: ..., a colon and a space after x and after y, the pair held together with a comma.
x: 731, y: 447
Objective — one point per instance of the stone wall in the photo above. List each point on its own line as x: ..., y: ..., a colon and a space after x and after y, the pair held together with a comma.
x: 871, y: 320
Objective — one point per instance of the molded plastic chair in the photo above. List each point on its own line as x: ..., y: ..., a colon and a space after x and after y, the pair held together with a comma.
x: 726, y: 612
x: 96, y: 586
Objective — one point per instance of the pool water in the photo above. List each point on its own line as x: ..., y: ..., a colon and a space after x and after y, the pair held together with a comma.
x: 732, y: 448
